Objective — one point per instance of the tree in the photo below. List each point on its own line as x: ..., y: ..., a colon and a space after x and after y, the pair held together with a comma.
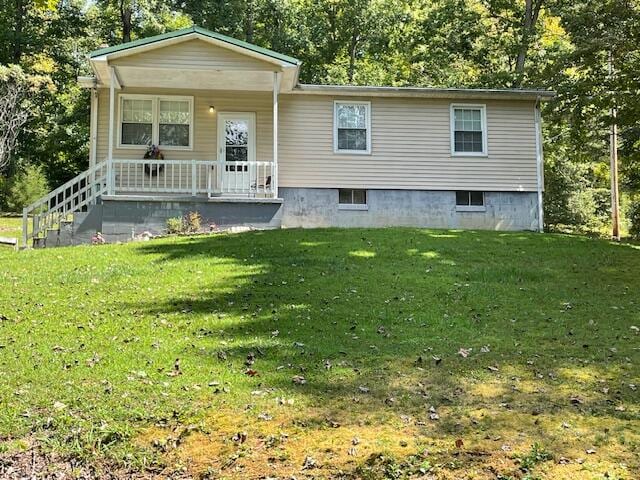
x: 17, y: 89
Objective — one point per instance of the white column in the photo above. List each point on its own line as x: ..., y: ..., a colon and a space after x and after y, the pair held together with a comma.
x: 94, y: 127
x: 93, y: 141
x: 276, y: 91
x: 112, y: 103
x: 539, y: 165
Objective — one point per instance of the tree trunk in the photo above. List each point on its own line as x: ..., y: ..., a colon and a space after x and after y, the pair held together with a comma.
x: 248, y: 22
x: 20, y: 12
x: 125, y: 18
x: 353, y: 47
x: 531, y: 13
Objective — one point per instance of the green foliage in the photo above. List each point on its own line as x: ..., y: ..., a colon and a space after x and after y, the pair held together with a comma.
x: 634, y: 218
x: 573, y: 197
x: 174, y: 225
x: 536, y: 455
x: 26, y: 187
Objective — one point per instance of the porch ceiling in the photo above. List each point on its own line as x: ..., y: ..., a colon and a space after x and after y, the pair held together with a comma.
x: 192, y: 78
x: 195, y: 79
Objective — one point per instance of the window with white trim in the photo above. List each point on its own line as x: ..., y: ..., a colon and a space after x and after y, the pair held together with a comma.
x: 137, y: 122
x: 174, y: 123
x: 352, y: 199
x: 166, y: 121
x: 352, y: 127
x: 468, y: 130
x: 469, y: 199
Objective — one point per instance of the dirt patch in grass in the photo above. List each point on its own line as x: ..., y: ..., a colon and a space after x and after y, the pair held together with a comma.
x: 285, y: 442
x: 27, y: 460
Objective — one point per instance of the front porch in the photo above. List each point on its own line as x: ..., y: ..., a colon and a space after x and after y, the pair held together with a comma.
x: 208, y: 105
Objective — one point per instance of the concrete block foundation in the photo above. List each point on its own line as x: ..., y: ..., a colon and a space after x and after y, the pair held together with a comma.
x: 120, y: 219
x: 318, y: 207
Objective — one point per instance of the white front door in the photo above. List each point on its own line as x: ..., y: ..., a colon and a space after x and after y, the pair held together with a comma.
x: 236, y: 148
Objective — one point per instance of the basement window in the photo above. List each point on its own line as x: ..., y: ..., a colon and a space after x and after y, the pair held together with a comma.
x: 470, y: 201
x: 352, y: 199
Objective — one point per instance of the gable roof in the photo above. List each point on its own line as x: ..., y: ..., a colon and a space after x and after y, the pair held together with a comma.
x: 199, y: 31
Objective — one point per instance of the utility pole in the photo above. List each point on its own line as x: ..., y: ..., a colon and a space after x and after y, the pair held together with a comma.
x: 613, y: 143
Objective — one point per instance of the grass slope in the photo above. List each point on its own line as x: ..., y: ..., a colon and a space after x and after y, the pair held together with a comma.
x: 327, y: 354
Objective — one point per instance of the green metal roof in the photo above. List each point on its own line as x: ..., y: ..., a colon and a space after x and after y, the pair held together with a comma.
x: 201, y: 31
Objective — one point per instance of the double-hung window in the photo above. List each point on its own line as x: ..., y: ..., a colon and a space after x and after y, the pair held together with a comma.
x: 166, y: 121
x: 137, y: 121
x: 468, y: 130
x: 352, y: 127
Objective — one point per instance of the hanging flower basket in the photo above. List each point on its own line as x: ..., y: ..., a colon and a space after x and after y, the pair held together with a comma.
x: 153, y: 153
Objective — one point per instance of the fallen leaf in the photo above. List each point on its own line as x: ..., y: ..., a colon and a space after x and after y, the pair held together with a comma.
x: 309, y: 463
x: 464, y: 352
x: 240, y: 437
x: 299, y: 380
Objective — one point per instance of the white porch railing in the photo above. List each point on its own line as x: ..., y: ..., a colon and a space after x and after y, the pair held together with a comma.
x: 61, y: 203
x: 192, y: 177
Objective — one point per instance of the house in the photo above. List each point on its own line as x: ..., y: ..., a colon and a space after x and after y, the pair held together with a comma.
x: 244, y: 143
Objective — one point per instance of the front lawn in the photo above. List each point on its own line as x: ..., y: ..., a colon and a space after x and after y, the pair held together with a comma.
x: 324, y: 354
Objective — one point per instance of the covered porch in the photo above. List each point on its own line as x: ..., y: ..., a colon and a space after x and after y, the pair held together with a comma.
x: 207, y: 103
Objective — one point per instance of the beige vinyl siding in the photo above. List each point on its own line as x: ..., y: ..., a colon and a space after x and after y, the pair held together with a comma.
x: 204, y: 128
x: 410, y: 147
x: 193, y: 54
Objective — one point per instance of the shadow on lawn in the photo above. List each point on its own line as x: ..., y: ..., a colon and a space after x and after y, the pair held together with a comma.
x: 379, y: 308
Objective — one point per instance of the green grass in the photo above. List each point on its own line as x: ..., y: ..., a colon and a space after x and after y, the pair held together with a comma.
x: 373, y: 320
x: 11, y: 227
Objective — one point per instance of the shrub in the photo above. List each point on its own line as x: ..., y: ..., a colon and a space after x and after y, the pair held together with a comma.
x: 634, y: 218
x: 192, y: 222
x: 174, y: 225
x: 26, y: 187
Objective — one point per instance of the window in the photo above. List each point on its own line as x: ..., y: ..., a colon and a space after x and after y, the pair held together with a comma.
x: 163, y: 121
x: 469, y: 201
x: 468, y: 130
x: 352, y: 127
x: 137, y: 122
x: 352, y: 199
x: 173, y: 124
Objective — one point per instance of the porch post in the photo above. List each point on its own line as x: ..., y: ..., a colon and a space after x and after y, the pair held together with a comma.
x: 276, y: 91
x: 112, y: 103
x: 93, y: 158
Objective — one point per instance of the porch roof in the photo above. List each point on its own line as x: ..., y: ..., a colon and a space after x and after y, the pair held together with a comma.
x: 201, y: 31
x: 220, y: 62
